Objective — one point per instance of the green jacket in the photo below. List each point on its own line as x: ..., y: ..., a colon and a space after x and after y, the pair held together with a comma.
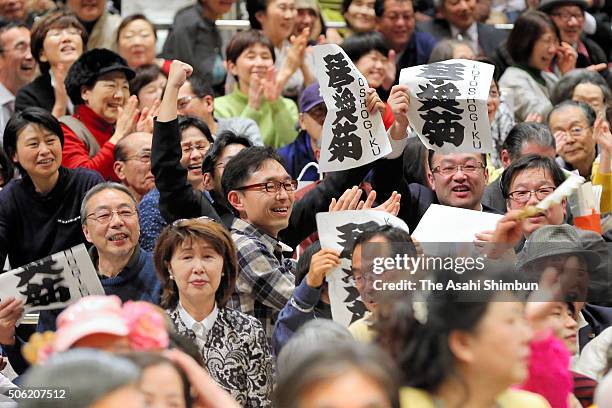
x: 277, y: 120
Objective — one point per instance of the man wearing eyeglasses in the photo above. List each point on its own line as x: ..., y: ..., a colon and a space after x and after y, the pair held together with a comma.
x: 527, y: 181
x: 109, y: 219
x: 579, y: 142
x: 133, y: 163
x: 261, y: 194
x: 569, y: 17
x: 17, y: 68
x: 456, y: 180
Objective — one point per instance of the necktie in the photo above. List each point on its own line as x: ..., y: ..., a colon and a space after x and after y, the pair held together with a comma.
x: 198, y: 330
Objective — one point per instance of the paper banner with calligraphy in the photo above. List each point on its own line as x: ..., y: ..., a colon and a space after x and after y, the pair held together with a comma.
x: 448, y: 105
x: 351, y: 136
x: 53, y: 282
x: 338, y: 231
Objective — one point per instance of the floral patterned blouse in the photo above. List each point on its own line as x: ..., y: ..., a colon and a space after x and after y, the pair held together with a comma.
x: 236, y: 355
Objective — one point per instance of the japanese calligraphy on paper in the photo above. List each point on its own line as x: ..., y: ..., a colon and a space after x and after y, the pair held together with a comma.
x: 53, y: 282
x: 448, y: 105
x: 338, y: 231
x: 351, y: 135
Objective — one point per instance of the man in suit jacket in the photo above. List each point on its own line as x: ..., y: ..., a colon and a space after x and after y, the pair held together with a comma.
x: 456, y: 180
x: 458, y: 21
x: 396, y: 22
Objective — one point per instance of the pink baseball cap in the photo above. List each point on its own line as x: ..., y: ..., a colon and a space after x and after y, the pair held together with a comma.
x: 90, y: 315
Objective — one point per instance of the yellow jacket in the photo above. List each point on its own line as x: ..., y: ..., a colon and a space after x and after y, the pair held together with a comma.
x: 415, y: 398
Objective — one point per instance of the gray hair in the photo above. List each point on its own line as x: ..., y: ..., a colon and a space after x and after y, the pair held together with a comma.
x: 309, y: 339
x: 444, y: 49
x: 564, y: 89
x: 87, y: 375
x: 109, y: 185
x: 331, y: 360
x: 587, y: 111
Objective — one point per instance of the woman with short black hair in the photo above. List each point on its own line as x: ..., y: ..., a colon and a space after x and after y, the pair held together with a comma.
x: 39, y: 213
x: 98, y: 86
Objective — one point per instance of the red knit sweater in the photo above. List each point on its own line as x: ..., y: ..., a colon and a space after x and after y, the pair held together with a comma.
x: 76, y: 154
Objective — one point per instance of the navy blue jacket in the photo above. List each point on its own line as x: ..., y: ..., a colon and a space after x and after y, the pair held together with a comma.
x: 297, y: 155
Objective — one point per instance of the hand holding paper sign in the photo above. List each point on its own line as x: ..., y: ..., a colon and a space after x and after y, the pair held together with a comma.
x: 353, y: 135
x: 321, y: 264
x: 373, y: 102
x: 11, y: 311
x: 399, y: 102
x: 52, y: 282
x: 338, y: 231
x: 448, y: 108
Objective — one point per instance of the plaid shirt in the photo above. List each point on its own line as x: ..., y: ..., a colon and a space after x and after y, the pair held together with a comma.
x: 265, y: 279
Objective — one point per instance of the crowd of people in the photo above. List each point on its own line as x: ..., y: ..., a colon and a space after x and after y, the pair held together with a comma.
x: 192, y: 178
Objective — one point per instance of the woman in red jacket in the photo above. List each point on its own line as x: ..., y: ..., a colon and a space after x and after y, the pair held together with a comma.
x: 97, y: 84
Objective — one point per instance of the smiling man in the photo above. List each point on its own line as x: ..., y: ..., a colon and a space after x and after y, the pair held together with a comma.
x: 458, y: 20
x: 261, y: 194
x: 17, y: 67
x: 396, y: 22
x: 133, y: 163
x: 110, y: 222
x: 455, y: 180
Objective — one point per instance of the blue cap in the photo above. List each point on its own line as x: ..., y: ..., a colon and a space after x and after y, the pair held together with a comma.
x: 310, y: 97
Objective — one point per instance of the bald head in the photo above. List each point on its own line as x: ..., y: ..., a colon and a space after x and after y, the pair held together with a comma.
x: 133, y: 163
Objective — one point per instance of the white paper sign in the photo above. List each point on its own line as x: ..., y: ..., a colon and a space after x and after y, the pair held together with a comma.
x: 442, y: 223
x: 351, y: 136
x: 53, y: 282
x: 448, y: 105
x: 338, y: 231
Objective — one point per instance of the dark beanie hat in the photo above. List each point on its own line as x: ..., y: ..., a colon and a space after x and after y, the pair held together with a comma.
x: 91, y: 65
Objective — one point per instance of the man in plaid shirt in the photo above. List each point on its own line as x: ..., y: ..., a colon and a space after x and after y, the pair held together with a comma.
x: 261, y: 193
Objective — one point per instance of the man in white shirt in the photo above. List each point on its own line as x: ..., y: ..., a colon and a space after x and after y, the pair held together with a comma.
x: 17, y: 68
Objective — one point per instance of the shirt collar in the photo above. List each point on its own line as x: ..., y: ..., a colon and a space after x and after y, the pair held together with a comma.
x: 273, y: 244
x: 6, y: 96
x: 472, y: 31
x: 199, y: 328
